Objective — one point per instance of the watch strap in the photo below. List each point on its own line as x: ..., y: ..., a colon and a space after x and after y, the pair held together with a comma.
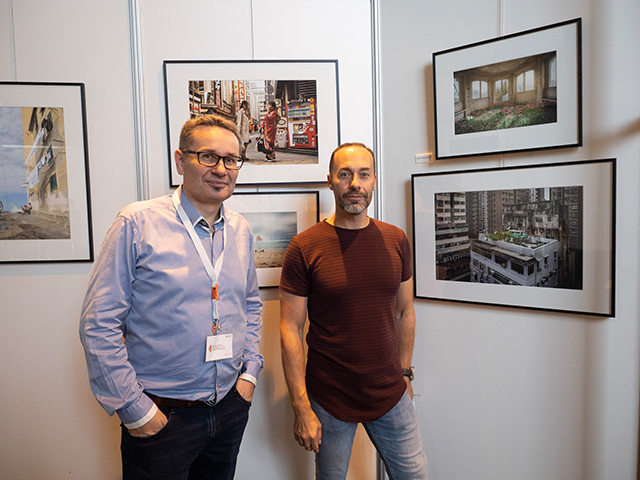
x: 408, y: 372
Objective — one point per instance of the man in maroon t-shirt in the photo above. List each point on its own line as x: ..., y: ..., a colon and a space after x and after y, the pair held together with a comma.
x: 352, y: 275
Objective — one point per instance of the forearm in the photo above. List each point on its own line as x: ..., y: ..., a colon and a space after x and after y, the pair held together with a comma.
x: 293, y: 315
x: 307, y: 429
x: 405, y: 326
x: 293, y: 364
x: 405, y: 319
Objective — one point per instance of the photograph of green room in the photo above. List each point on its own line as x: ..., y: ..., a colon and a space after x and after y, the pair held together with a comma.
x: 511, y: 94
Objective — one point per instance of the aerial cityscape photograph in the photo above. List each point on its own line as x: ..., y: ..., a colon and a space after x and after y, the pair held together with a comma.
x: 526, y: 237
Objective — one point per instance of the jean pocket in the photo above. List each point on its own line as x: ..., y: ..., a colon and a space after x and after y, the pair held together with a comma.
x: 242, y: 400
x: 156, y: 435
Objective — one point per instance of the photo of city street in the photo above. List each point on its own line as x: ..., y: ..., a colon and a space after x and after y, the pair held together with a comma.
x: 280, y: 113
x: 524, y: 237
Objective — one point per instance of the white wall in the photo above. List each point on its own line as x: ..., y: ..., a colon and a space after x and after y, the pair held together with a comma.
x: 508, y: 393
x: 503, y: 393
x: 51, y: 426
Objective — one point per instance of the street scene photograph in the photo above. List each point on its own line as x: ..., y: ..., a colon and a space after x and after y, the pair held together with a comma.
x: 512, y: 94
x: 34, y: 198
x: 524, y: 237
x: 277, y: 119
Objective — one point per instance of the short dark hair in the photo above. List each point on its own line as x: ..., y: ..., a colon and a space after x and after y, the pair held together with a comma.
x: 243, y: 103
x: 352, y: 144
x: 214, y: 121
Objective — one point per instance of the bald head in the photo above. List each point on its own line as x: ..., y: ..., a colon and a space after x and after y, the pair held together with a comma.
x: 350, y: 147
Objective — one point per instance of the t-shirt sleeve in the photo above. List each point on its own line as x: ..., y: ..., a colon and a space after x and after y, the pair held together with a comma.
x: 407, y: 270
x: 294, y: 278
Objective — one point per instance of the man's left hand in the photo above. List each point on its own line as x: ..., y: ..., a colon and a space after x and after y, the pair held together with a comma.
x: 245, y: 389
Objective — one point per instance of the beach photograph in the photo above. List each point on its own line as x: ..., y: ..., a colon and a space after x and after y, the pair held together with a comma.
x: 272, y: 232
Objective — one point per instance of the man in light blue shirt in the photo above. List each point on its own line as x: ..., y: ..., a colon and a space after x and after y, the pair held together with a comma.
x: 176, y: 279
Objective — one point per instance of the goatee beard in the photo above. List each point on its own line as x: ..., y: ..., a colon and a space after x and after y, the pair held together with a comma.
x: 354, y: 208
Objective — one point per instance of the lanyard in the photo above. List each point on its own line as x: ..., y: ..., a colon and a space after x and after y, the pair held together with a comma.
x: 213, y: 271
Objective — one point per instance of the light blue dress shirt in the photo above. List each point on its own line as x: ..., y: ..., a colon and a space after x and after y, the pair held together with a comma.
x: 149, y: 286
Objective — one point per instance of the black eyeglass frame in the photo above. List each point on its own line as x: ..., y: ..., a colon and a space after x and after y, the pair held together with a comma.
x: 239, y: 160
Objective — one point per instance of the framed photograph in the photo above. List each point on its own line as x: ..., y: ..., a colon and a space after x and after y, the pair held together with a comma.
x: 275, y: 218
x: 539, y: 237
x: 287, y: 113
x: 45, y: 213
x: 514, y: 93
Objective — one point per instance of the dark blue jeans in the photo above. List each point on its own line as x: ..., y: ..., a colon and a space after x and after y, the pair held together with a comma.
x: 198, y: 442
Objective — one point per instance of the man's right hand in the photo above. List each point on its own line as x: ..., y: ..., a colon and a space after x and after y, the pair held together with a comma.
x: 308, y: 430
x: 152, y: 427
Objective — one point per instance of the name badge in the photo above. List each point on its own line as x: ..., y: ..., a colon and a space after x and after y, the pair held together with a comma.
x: 219, y: 347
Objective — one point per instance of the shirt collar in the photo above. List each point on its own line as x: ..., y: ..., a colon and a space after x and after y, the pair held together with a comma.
x: 193, y: 214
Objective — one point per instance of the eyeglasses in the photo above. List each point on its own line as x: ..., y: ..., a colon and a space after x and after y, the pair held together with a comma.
x: 207, y: 158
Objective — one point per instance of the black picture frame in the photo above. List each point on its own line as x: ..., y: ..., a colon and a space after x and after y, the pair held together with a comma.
x: 306, y: 93
x: 514, y: 93
x: 537, y: 236
x: 275, y: 218
x: 44, y: 173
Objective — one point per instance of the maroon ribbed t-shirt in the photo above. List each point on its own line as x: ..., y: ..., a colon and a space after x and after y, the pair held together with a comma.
x: 351, y: 279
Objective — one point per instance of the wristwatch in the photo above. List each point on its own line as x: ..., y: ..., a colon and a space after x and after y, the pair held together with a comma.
x: 409, y: 372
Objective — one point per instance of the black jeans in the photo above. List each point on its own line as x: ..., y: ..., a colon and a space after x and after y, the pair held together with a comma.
x: 198, y: 442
